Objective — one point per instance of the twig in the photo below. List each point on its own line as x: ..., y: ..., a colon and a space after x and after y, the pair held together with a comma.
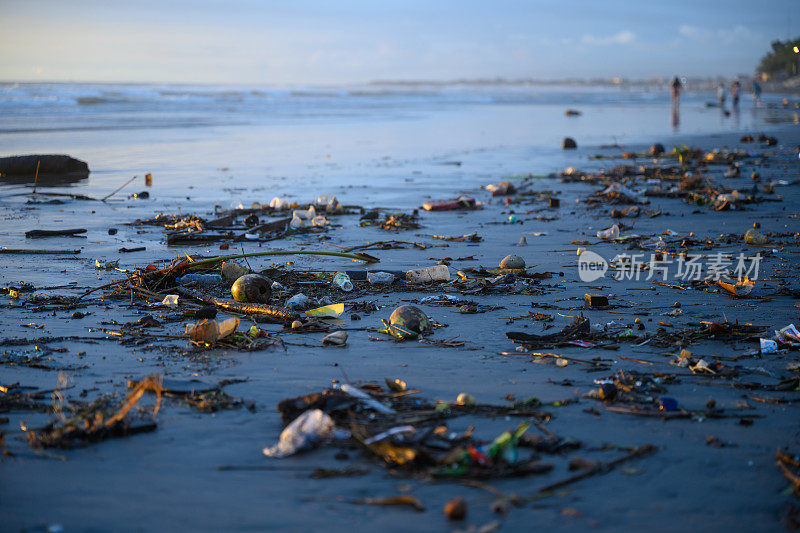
x: 602, y: 468
x: 106, y: 197
x: 21, y: 251
x: 213, y: 260
x: 36, y: 177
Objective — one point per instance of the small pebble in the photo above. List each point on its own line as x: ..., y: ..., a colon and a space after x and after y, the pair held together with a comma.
x: 456, y: 509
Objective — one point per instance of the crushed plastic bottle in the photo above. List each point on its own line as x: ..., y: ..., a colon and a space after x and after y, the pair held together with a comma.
x: 342, y: 281
x: 428, y: 274
x: 202, y: 280
x: 380, y: 278
x: 609, y: 234
x: 300, y: 302
x: 319, y: 221
x: 304, y: 433
x: 278, y: 203
x: 308, y: 214
x: 333, y: 206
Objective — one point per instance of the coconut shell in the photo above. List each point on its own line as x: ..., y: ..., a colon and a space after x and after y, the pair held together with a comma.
x: 411, y: 318
x: 252, y: 288
x: 512, y: 262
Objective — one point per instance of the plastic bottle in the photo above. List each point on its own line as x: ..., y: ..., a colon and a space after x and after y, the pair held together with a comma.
x: 380, y: 278
x: 609, y: 234
x: 299, y: 302
x: 342, y: 281
x: 203, y: 280
x: 427, y: 274
x: 308, y: 214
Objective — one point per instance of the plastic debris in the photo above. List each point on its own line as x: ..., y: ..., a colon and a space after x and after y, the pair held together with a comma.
x: 609, y: 234
x: 788, y: 335
x: 170, y: 300
x: 331, y: 311
x: 428, y: 274
x: 304, y: 433
x: 202, y: 280
x: 365, y: 399
x: 342, y: 281
x: 337, y: 338
x: 504, y: 188
x: 380, y: 278
x: 210, y: 331
x: 462, y: 202
x: 767, y: 346
x: 739, y: 288
x: 299, y: 302
x: 595, y: 300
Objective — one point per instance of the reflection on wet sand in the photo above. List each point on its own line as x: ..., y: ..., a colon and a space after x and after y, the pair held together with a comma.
x: 675, y: 117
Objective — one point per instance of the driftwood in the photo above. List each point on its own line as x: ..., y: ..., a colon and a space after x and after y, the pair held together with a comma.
x: 26, y: 165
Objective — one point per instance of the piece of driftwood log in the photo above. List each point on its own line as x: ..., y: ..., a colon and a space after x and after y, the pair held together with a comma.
x: 25, y: 165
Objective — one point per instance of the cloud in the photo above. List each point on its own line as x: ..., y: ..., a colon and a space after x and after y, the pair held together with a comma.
x: 621, y: 38
x: 727, y: 36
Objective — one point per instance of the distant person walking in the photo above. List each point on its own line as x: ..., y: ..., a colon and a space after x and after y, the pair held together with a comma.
x: 722, y: 95
x: 756, y: 92
x: 676, y: 89
x: 735, y: 88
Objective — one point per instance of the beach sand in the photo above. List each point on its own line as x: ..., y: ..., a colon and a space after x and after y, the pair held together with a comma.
x: 170, y: 478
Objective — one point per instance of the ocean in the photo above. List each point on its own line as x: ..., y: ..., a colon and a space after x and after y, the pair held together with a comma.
x: 300, y: 141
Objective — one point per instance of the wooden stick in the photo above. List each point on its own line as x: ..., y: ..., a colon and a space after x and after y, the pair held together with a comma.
x: 21, y: 251
x: 106, y: 197
x: 602, y: 468
x: 36, y: 177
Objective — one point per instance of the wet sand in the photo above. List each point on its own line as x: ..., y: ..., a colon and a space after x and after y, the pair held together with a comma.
x: 169, y: 479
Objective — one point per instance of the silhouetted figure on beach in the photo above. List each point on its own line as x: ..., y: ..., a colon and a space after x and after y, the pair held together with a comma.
x: 756, y: 92
x: 722, y: 95
x: 735, y: 88
x: 676, y: 89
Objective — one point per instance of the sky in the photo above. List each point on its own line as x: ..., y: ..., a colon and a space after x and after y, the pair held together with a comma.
x: 353, y: 41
